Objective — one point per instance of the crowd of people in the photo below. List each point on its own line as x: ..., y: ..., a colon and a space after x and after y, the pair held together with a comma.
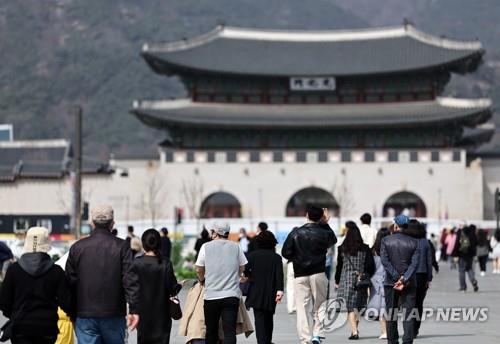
x: 103, y: 281
x: 460, y: 248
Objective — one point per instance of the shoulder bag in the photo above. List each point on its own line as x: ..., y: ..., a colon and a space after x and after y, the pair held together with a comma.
x: 173, y: 302
x: 362, y: 280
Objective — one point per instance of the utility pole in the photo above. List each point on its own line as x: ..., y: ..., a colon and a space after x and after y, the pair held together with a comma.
x: 77, y: 174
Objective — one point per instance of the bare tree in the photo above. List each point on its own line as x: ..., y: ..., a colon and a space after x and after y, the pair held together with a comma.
x: 63, y: 196
x: 192, y: 192
x: 342, y: 192
x: 154, y: 198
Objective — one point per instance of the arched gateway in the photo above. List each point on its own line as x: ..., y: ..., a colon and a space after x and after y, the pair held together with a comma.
x: 406, y: 203
x: 302, y: 199
x: 220, y: 205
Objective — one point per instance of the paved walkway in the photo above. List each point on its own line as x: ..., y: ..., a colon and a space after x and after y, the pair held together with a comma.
x: 443, y: 293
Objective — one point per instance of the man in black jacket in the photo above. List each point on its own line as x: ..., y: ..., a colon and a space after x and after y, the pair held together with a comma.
x: 400, y: 256
x: 306, y: 247
x: 100, y: 275
x: 465, y: 250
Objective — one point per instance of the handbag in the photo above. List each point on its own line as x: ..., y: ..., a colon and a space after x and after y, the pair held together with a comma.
x: 245, y: 288
x: 174, y: 304
x: 175, y: 308
x: 362, y: 280
x: 6, y: 331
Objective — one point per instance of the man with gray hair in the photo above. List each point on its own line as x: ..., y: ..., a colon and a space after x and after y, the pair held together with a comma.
x: 102, y: 282
x: 219, y: 266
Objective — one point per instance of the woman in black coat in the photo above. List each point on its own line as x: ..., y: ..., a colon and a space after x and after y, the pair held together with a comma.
x: 157, y: 283
x: 265, y: 273
x: 32, y: 290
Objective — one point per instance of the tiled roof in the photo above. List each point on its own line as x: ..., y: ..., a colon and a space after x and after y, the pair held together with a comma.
x: 41, y: 159
x: 297, y: 53
x: 184, y: 112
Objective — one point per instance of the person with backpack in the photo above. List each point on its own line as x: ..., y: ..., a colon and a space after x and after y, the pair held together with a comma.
x: 464, y: 251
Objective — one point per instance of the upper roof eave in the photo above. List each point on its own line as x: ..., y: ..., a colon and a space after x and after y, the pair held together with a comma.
x: 223, y: 43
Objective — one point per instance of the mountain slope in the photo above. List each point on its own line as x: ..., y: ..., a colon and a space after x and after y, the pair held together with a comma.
x: 58, y: 53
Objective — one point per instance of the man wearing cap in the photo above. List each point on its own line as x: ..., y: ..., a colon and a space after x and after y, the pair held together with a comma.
x: 219, y: 266
x: 99, y: 273
x: 400, y: 256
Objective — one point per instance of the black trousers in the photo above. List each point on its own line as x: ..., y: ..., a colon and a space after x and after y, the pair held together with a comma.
x: 214, y: 310
x: 482, y: 262
x: 393, y: 299
x: 419, y: 299
x: 264, y: 325
x: 33, y: 340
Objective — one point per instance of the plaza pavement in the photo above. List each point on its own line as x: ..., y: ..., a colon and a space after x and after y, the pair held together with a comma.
x: 443, y: 293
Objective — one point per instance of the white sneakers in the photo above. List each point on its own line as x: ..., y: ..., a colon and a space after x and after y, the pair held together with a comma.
x: 383, y: 336
x: 484, y: 273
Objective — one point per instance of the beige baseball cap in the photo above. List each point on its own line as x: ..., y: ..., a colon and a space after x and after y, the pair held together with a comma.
x: 102, y: 213
x: 37, y: 240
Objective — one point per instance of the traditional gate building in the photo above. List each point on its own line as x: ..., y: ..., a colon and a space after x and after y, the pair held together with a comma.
x: 272, y: 121
x: 356, y: 120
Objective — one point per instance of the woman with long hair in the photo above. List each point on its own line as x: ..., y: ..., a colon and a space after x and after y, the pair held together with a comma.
x: 157, y: 284
x: 376, y: 304
x: 495, y: 255
x: 265, y: 273
x: 483, y: 250
x: 355, y: 259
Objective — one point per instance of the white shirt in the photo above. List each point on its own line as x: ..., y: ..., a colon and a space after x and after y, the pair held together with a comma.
x: 222, y: 260
x: 244, y: 243
x: 368, y: 234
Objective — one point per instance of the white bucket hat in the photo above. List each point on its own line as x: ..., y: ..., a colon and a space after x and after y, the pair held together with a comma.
x: 37, y: 240
x: 222, y: 229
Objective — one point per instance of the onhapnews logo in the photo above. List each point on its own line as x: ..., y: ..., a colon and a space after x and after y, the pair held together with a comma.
x: 333, y: 314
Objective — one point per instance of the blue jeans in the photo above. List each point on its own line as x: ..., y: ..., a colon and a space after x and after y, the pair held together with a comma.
x: 100, y: 330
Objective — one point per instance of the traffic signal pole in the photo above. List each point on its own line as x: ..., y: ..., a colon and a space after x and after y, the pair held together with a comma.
x: 77, y: 173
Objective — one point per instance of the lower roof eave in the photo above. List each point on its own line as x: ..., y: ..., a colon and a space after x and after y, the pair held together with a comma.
x: 187, y: 114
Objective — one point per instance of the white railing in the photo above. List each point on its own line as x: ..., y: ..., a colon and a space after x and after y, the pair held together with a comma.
x: 281, y: 226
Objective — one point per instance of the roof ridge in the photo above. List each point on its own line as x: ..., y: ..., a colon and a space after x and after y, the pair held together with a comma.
x: 464, y: 102
x: 442, y: 42
x: 231, y: 32
x: 56, y: 143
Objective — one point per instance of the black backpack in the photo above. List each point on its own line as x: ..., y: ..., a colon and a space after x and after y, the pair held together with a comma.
x: 464, y: 243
